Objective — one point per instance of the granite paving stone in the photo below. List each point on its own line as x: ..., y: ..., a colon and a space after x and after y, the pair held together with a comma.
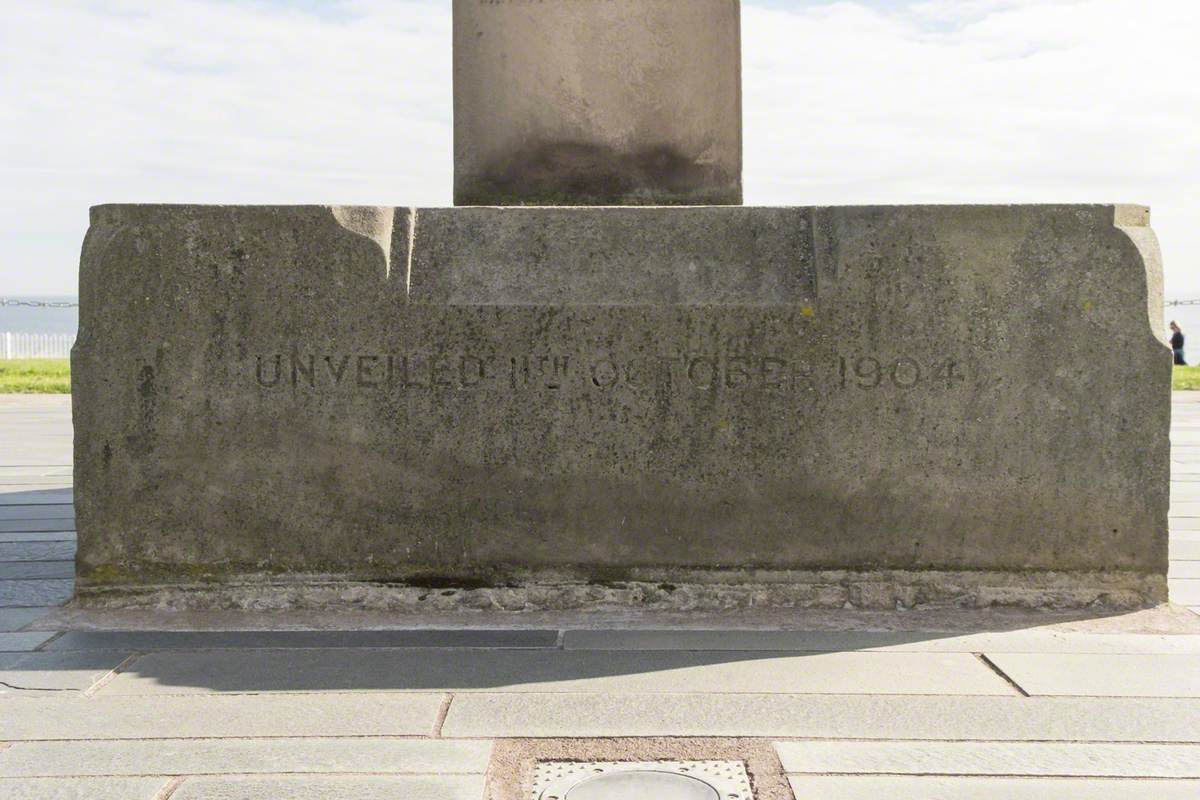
x: 17, y: 642
x: 469, y: 670
x: 871, y: 787
x: 243, y: 756
x: 37, y: 536
x: 36, y: 570
x: 28, y: 594
x: 26, y: 497
x: 57, y: 671
x: 1185, y: 569
x: 992, y: 758
x: 1109, y: 675
x: 62, y: 550
x: 39, y: 511
x: 1021, y: 641
x: 82, y: 788
x: 824, y: 716
x: 321, y: 787
x: 1185, y: 591
x: 37, y: 525
x: 14, y: 619
x: 28, y: 483
x: 68, y: 715
x: 1185, y: 549
x: 9, y: 472
x: 209, y: 640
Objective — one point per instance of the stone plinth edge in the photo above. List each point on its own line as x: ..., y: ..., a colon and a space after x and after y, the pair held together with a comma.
x: 798, y: 590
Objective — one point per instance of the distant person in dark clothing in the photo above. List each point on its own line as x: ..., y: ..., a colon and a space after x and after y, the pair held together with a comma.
x: 1177, y: 343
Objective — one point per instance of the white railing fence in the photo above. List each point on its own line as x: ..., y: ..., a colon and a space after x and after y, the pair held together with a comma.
x: 35, y: 345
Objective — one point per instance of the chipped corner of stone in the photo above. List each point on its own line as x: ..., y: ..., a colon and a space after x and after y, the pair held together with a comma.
x: 1134, y: 222
x: 374, y: 223
x: 1131, y: 216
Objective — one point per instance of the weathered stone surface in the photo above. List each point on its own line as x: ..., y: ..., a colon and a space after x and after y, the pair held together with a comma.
x: 566, y: 102
x: 393, y: 394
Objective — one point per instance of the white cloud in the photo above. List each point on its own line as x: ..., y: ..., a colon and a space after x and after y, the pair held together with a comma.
x: 288, y: 102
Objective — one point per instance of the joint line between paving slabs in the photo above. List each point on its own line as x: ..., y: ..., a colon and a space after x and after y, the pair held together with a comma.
x: 111, y: 674
x: 443, y: 710
x: 41, y: 647
x: 992, y: 666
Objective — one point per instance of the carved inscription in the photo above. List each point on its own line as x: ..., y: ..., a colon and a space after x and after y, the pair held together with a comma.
x: 557, y: 371
x: 868, y: 372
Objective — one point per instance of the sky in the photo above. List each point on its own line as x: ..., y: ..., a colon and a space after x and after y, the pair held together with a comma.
x: 349, y: 102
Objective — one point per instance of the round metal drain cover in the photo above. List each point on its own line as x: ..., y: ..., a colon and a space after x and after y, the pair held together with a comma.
x: 642, y: 785
x: 640, y: 780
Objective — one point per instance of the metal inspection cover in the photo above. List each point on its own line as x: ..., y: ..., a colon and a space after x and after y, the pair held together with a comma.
x: 641, y: 780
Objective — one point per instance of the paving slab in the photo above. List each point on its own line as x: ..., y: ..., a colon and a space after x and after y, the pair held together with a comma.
x: 856, y: 787
x: 1185, y: 569
x: 37, y: 536
x: 1100, y: 676
x: 71, y: 716
x: 38, y: 511
x: 28, y: 457
x: 825, y: 716
x: 60, y: 470
x: 992, y: 758
x: 24, y: 483
x: 14, y: 619
x: 36, y: 570
x: 1185, y: 549
x: 19, y: 642
x: 28, y: 594
x: 63, y: 550
x: 37, y: 525
x: 243, y: 756
x: 212, y: 640
x: 321, y: 787
x: 467, y: 670
x: 1185, y: 591
x: 56, y: 671
x: 1022, y: 641
x: 23, y: 497
x: 82, y: 788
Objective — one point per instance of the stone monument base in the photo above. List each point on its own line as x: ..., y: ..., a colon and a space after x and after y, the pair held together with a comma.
x: 735, y: 591
x: 534, y: 407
